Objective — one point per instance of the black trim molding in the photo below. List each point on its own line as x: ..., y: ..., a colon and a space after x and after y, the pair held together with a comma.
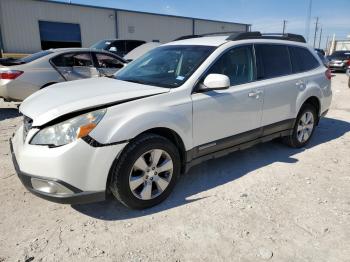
x: 241, y: 141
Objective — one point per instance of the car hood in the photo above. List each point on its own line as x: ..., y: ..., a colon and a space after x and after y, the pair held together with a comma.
x: 68, y: 97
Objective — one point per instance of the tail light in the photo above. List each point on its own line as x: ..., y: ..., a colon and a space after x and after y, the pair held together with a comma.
x: 328, y: 74
x: 348, y: 63
x: 10, y: 74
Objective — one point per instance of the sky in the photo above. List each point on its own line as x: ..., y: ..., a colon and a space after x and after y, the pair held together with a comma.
x: 264, y: 15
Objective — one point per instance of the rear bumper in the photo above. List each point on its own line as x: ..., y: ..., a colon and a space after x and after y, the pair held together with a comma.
x: 16, y: 90
x: 76, y: 197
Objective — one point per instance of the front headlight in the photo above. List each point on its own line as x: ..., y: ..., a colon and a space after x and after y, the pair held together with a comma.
x: 69, y: 130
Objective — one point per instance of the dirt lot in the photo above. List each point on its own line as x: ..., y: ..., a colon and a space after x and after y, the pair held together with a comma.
x: 269, y: 202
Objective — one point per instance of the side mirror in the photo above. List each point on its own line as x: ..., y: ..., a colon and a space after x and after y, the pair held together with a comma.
x: 113, y: 49
x: 215, y: 82
x: 348, y: 72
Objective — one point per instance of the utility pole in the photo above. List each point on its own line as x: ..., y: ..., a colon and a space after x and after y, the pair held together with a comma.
x: 316, y: 29
x: 308, y: 20
x: 319, y: 42
x: 327, y: 43
x: 284, y: 26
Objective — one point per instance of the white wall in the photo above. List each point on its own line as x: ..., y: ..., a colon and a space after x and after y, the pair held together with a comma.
x: 20, y: 28
x: 152, y: 27
x: 342, y: 45
x: 204, y: 26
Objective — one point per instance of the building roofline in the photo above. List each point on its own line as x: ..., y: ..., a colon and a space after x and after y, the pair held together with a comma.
x: 139, y: 12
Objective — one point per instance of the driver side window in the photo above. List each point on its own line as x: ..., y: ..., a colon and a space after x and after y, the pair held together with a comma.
x: 237, y: 64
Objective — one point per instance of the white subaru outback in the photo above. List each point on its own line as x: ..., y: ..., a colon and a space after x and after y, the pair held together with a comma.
x: 180, y: 104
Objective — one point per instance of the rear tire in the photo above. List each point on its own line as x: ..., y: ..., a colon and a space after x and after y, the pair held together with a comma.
x: 146, y: 172
x: 304, y: 127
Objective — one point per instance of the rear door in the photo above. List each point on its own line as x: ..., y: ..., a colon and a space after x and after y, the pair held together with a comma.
x: 77, y: 65
x: 107, y: 64
x: 281, y: 88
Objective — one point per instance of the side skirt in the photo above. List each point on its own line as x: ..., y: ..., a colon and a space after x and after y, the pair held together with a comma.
x: 242, y: 141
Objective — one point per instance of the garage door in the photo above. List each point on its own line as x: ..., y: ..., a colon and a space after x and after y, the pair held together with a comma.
x: 59, y: 35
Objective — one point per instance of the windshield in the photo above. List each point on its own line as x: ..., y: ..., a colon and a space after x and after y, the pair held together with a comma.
x: 167, y: 66
x: 340, y: 55
x: 102, y: 45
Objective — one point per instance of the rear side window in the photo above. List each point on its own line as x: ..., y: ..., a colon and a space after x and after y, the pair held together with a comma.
x: 272, y: 61
x: 130, y: 45
x: 302, y: 59
x: 72, y: 59
x: 120, y: 45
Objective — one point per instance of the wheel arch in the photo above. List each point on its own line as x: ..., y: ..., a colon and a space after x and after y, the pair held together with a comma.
x: 175, y: 138
x: 315, y: 102
x: 168, y: 133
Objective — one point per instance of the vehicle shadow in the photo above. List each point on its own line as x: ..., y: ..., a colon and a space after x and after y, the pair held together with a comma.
x: 7, y: 113
x: 217, y: 172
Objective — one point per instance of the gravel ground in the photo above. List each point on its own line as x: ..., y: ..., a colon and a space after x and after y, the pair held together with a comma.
x: 269, y: 202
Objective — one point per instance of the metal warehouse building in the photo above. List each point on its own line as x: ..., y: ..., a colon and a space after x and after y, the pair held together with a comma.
x: 27, y: 26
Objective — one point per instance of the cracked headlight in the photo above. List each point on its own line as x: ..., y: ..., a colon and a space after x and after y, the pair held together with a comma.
x: 68, y: 131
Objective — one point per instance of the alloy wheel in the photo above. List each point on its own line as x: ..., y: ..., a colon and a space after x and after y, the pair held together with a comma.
x: 305, y: 127
x: 151, y: 174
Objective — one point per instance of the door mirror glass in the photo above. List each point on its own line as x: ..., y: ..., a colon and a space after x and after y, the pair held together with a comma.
x: 113, y: 49
x: 215, y: 82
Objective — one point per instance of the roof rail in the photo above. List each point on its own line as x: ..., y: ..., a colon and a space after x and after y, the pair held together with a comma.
x: 258, y: 35
x: 186, y: 37
x: 207, y: 34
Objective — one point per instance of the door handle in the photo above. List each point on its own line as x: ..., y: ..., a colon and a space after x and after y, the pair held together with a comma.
x: 255, y: 94
x: 300, y: 83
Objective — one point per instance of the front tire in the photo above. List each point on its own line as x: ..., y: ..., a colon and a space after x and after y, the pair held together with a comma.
x: 304, y: 127
x: 146, y: 172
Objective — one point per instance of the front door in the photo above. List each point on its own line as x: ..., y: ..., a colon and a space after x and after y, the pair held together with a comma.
x: 224, y: 118
x: 107, y: 64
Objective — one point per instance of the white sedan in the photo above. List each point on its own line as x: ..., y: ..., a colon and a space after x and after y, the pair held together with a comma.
x: 22, y: 77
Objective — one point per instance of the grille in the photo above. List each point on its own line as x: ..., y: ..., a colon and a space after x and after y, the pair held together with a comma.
x: 27, y: 125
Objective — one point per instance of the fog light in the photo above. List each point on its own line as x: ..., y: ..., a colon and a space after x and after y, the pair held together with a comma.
x: 50, y: 187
